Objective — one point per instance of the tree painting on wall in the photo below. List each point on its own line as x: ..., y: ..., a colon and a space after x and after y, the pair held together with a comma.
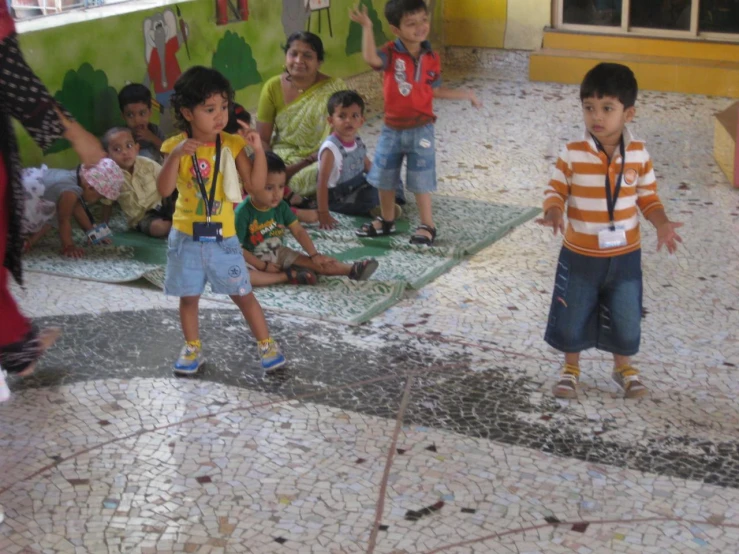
x: 233, y: 57
x: 354, y: 40
x: 91, y: 100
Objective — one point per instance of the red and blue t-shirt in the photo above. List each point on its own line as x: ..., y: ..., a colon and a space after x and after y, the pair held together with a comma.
x: 409, y: 85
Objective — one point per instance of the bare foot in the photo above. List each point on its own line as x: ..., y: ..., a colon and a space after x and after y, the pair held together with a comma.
x: 47, y: 337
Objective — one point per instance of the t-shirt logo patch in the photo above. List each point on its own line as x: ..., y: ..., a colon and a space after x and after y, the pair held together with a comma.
x: 203, y: 166
x: 630, y: 176
x: 404, y: 86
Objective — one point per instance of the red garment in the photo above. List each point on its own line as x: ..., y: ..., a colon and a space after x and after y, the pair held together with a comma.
x: 172, y: 68
x: 13, y: 326
x: 409, y: 85
x: 7, y: 25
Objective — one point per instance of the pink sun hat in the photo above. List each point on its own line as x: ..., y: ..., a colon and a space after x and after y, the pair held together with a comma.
x: 105, y: 177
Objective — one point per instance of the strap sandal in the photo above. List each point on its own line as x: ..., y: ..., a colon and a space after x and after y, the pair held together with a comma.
x: 363, y: 270
x: 566, y: 387
x: 301, y: 276
x: 421, y: 239
x: 369, y: 229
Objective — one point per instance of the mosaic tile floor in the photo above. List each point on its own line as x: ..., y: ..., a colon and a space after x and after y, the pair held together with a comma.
x: 429, y: 429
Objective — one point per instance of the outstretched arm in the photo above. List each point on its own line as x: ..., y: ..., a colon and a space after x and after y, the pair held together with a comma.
x: 457, y: 94
x: 36, y: 109
x: 369, y: 48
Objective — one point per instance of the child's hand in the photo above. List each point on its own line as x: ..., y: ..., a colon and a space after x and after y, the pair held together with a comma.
x: 272, y: 268
x: 666, y: 235
x: 252, y: 138
x: 359, y: 15
x: 326, y: 221
x: 553, y: 218
x: 145, y: 134
x: 72, y: 251
x: 474, y: 101
x: 186, y: 148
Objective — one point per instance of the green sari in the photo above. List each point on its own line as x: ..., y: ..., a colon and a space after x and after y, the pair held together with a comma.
x: 301, y: 128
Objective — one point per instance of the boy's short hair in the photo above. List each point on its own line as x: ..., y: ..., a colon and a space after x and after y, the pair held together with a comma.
x: 610, y: 79
x: 110, y: 133
x: 194, y: 87
x: 134, y: 93
x: 275, y: 164
x: 396, y: 9
x: 235, y: 114
x: 344, y: 99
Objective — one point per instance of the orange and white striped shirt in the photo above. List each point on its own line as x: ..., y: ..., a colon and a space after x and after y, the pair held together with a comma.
x: 578, y: 181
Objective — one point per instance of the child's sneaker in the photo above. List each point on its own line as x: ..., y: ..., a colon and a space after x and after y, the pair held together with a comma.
x: 4, y: 390
x: 627, y: 378
x: 190, y: 360
x: 363, y: 270
x: 269, y: 352
x: 566, y: 387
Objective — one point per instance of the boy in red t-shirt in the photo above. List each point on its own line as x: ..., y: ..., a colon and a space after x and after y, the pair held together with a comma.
x: 412, y: 79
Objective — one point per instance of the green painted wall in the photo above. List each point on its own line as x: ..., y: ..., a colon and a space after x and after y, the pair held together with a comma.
x: 114, y: 50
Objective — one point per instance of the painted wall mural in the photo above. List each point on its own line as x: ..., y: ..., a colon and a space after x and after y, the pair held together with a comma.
x: 155, y: 46
x: 234, y: 59
x: 354, y: 38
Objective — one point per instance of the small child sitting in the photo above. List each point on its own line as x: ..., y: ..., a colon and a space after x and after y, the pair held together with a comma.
x: 145, y: 210
x: 261, y: 221
x: 343, y: 164
x: 135, y: 103
x: 239, y: 123
x: 66, y: 193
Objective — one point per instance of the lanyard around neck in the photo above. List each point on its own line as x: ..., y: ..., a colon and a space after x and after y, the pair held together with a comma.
x: 612, y: 196
x: 208, y: 199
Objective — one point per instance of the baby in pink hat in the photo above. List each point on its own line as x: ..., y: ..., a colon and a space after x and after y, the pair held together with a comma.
x: 66, y: 194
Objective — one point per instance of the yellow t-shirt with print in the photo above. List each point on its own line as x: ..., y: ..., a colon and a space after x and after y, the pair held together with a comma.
x: 191, y: 207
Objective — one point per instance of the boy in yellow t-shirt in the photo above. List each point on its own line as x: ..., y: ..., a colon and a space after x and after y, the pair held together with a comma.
x: 202, y: 163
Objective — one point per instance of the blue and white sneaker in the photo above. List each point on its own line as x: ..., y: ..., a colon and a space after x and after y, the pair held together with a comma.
x: 272, y: 357
x: 190, y: 360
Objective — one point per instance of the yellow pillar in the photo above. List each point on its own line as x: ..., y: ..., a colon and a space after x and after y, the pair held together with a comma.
x: 480, y: 23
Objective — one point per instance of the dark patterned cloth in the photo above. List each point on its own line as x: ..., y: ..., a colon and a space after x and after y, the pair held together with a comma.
x: 25, y: 98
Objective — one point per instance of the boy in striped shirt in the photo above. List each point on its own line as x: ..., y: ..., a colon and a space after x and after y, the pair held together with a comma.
x: 604, y: 180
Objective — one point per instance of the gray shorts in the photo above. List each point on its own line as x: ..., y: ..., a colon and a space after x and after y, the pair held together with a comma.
x: 285, y: 258
x: 58, y: 181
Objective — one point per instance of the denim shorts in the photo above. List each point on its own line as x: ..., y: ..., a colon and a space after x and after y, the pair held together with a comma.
x: 191, y: 264
x: 418, y: 147
x: 596, y: 303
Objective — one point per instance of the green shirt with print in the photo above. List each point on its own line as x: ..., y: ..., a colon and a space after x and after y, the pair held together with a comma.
x: 262, y: 232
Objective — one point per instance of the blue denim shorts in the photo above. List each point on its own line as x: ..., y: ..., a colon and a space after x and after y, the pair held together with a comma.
x: 596, y: 303
x: 191, y: 264
x: 418, y: 147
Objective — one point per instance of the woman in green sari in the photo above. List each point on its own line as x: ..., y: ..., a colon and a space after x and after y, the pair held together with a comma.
x: 292, y: 117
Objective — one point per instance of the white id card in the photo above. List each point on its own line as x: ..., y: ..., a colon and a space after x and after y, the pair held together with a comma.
x: 611, y: 239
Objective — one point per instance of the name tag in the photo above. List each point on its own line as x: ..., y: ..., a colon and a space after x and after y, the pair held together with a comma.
x: 207, y: 232
x: 611, y: 239
x: 99, y: 233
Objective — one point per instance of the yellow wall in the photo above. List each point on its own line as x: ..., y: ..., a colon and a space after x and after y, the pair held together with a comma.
x: 475, y: 23
x: 526, y: 22
x: 514, y: 24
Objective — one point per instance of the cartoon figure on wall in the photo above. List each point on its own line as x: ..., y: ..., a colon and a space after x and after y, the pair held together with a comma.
x: 295, y: 14
x: 164, y: 37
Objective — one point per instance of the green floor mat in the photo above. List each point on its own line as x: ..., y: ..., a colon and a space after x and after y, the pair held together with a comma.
x: 465, y: 227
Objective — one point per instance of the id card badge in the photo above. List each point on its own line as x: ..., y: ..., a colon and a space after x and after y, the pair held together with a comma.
x: 207, y: 232
x: 615, y: 238
x: 99, y: 233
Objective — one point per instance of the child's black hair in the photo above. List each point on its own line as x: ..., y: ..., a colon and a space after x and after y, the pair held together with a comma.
x: 313, y: 40
x: 610, y: 79
x: 134, y: 93
x: 396, y: 9
x: 344, y: 99
x: 275, y: 164
x: 235, y: 114
x: 110, y: 133
x: 194, y: 87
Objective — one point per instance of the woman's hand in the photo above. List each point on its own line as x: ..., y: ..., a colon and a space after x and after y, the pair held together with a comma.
x: 88, y: 147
